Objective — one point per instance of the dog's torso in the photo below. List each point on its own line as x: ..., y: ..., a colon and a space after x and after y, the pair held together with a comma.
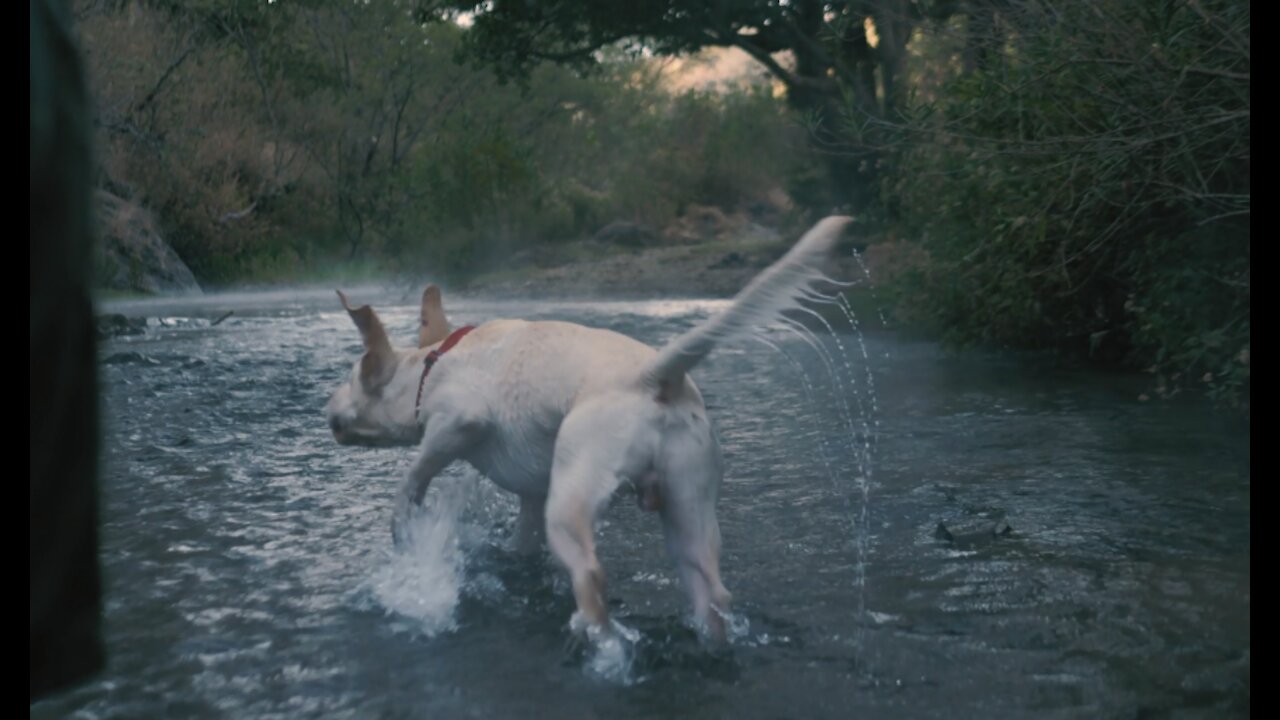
x: 524, y: 377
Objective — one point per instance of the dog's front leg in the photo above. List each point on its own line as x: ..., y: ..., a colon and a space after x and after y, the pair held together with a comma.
x: 447, y: 437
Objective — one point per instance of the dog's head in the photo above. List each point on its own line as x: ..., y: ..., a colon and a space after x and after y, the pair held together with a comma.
x: 376, y: 406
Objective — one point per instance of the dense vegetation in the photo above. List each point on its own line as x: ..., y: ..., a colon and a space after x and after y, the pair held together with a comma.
x: 1086, y: 188
x: 275, y: 142
x: 1071, y: 176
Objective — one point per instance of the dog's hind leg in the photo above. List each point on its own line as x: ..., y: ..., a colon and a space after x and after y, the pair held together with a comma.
x: 448, y: 435
x: 597, y: 447
x: 691, y: 474
x: 693, y: 542
x: 578, y: 490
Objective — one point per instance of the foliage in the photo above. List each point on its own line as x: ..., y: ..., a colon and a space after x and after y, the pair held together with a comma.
x: 1088, y: 189
x: 1062, y: 175
x: 273, y: 139
x: 828, y: 55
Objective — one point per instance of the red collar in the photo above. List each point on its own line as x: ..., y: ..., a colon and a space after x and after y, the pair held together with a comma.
x: 434, y: 355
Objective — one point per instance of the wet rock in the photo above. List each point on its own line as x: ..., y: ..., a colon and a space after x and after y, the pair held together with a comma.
x: 134, y: 257
x: 129, y: 358
x: 972, y: 538
x: 626, y: 234
x: 703, y: 223
x: 117, y: 325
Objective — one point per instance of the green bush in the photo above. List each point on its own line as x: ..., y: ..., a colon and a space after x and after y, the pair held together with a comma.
x: 1088, y: 191
x: 266, y: 155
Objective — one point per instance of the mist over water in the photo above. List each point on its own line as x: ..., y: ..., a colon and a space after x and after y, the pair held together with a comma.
x: 250, y: 574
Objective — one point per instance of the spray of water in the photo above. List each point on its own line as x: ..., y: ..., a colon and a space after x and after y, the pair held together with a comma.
x: 861, y: 426
x: 871, y: 287
x: 420, y: 585
x: 611, y: 653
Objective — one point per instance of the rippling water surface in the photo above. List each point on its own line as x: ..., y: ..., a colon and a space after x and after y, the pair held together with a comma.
x: 249, y: 573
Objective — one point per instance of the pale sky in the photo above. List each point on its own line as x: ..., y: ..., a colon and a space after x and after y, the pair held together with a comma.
x: 716, y: 68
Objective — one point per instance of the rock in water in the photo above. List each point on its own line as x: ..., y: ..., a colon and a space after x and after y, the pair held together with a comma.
x: 974, y: 538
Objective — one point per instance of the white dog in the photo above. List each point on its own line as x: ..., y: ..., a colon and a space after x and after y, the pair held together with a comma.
x: 564, y: 415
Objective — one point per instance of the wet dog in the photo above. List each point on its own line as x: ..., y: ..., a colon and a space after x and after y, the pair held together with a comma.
x: 563, y: 416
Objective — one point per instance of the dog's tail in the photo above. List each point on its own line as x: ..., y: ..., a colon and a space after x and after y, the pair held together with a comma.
x: 772, y: 291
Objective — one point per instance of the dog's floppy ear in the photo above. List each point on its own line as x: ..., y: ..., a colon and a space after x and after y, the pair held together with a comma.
x: 379, y: 361
x: 434, y: 327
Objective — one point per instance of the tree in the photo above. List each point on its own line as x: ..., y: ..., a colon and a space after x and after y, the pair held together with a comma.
x: 840, y: 62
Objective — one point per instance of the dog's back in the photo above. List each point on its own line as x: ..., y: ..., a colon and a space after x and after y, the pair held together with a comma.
x: 530, y: 375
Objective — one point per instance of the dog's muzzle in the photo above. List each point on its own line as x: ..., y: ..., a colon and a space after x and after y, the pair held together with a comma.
x: 345, y: 434
x: 340, y: 434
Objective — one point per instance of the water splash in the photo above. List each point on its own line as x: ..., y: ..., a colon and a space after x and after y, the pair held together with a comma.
x: 869, y: 437
x: 807, y: 385
x: 611, y: 653
x: 871, y: 287
x: 861, y: 432
x: 422, y: 584
x: 870, y: 431
x: 737, y: 628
